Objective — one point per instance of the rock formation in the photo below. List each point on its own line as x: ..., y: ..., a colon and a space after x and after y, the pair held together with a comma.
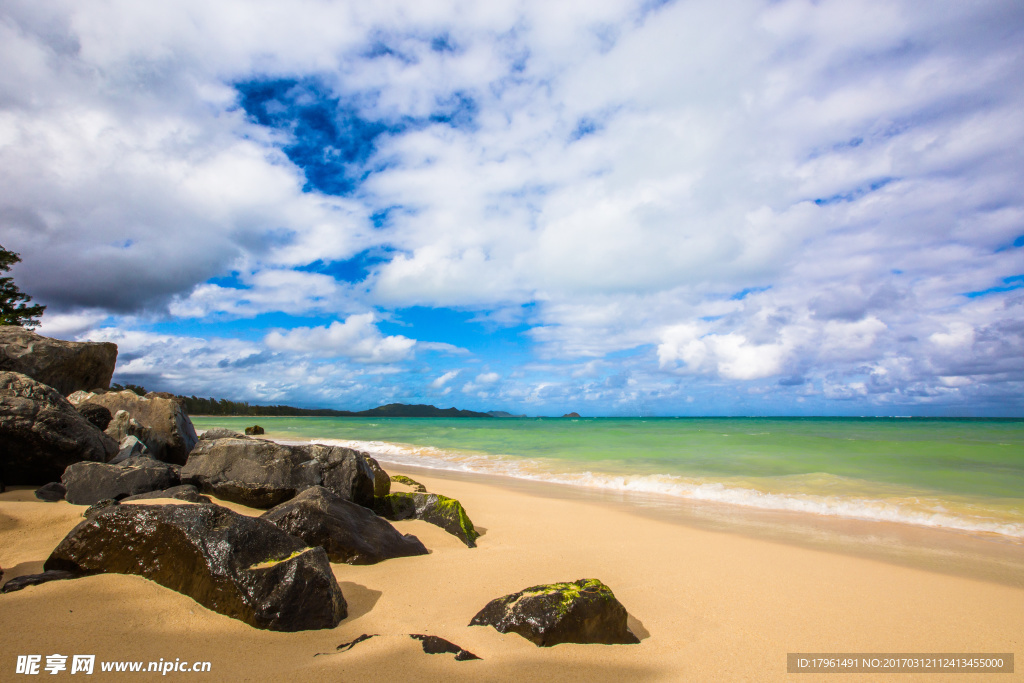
x: 65, y: 366
x: 41, y: 433
x: 263, y: 474
x: 242, y: 567
x: 87, y: 483
x: 348, y: 532
x: 584, y: 611
x: 160, y: 422
x: 381, y: 480
x: 438, y: 510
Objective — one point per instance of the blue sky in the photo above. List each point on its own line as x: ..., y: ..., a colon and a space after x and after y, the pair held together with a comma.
x: 616, y: 208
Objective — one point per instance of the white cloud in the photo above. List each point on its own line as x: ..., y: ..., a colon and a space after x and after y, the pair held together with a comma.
x: 784, y: 192
x: 357, y: 338
x: 444, y: 379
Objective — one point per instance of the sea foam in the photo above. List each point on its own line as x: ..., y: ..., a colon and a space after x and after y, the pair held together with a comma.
x: 918, y: 510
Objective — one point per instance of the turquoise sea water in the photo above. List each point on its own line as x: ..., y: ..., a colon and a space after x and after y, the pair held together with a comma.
x: 952, y: 473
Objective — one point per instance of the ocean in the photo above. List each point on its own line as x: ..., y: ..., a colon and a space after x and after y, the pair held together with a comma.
x: 957, y: 474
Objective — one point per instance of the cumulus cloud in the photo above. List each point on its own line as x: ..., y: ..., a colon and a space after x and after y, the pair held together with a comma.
x: 356, y: 338
x: 444, y: 379
x: 820, y: 200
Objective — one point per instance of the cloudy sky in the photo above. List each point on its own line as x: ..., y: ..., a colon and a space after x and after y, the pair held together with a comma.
x: 613, y: 207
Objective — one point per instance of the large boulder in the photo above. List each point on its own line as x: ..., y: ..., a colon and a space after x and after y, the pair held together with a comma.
x: 87, y: 483
x: 41, y: 433
x: 381, y: 480
x: 348, y: 532
x: 65, y: 366
x: 159, y: 422
x: 584, y: 611
x: 438, y: 510
x: 242, y: 567
x: 262, y: 474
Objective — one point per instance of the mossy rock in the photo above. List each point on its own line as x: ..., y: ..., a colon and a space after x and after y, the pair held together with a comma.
x: 402, y: 479
x: 583, y: 611
x: 436, y: 509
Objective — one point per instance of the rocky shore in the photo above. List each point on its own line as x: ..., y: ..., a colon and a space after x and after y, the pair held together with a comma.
x: 308, y: 563
x: 155, y: 493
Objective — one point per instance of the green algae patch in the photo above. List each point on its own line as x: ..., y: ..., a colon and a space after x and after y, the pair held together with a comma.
x: 434, y: 508
x: 449, y: 514
x: 583, y: 611
x: 402, y: 479
x: 266, y: 564
x: 568, y: 593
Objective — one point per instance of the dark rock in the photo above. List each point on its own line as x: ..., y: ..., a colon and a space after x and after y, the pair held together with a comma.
x: 434, y: 645
x: 441, y: 511
x: 122, y: 426
x: 348, y: 532
x: 345, y: 472
x: 381, y: 480
x: 242, y: 567
x: 162, y: 423
x: 51, y: 492
x: 19, y: 582
x: 65, y: 366
x: 90, y: 482
x: 402, y: 479
x: 130, y: 447
x: 220, y: 433
x: 571, y: 415
x: 185, y: 492
x: 584, y: 611
x: 41, y: 433
x: 102, y: 505
x: 262, y: 474
x: 345, y: 647
x: 97, y: 414
x: 255, y: 430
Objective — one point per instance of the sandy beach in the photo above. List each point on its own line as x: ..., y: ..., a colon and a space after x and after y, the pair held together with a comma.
x: 707, y: 604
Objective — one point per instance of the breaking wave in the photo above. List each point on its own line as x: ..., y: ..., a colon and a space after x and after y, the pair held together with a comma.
x: 921, y: 510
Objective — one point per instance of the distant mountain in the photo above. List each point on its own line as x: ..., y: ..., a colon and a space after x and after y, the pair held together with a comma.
x: 502, y: 413
x: 213, y: 406
x: 404, y: 410
x: 571, y: 415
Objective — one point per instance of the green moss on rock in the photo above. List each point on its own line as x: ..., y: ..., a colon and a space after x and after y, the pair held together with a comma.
x: 436, y: 509
x: 583, y: 611
x: 402, y: 479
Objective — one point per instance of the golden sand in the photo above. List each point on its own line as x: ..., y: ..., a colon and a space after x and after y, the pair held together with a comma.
x: 707, y: 605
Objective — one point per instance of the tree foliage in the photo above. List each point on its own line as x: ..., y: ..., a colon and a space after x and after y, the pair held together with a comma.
x: 14, y: 306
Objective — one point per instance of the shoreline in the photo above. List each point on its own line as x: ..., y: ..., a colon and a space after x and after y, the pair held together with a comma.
x: 989, y: 557
x: 958, y: 552
x: 804, y: 482
x: 706, y: 604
